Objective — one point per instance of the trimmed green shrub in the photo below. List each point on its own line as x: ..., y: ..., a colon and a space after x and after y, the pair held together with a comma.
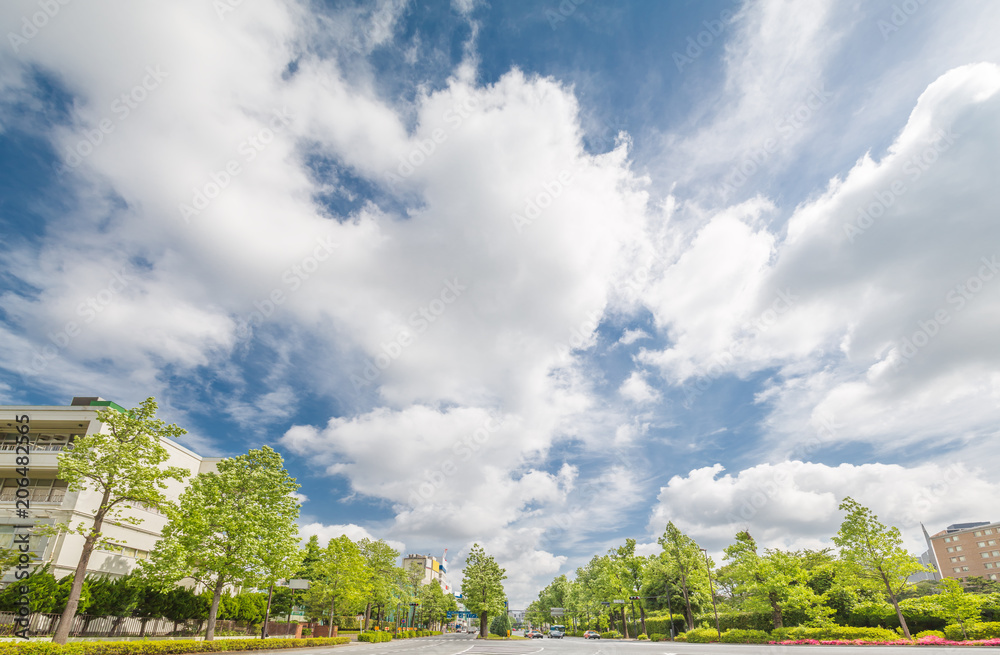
x: 661, y: 624
x: 987, y: 630
x: 656, y: 636
x: 748, y: 621
x: 681, y: 637
x: 833, y: 632
x: 745, y: 637
x: 162, y: 647
x: 702, y: 636
x: 642, y: 637
x: 375, y: 637
x: 929, y: 633
x: 611, y: 634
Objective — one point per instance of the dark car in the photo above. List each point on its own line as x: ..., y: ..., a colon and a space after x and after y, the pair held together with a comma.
x: 533, y: 634
x: 590, y: 634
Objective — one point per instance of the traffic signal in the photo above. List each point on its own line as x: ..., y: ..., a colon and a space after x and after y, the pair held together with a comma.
x: 634, y: 597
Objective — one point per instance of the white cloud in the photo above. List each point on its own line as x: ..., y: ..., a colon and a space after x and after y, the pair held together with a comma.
x: 794, y: 504
x: 631, y: 336
x: 636, y: 389
x: 353, y: 532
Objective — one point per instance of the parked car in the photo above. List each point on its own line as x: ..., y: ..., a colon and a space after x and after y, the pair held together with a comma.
x: 590, y: 634
x: 533, y: 634
x: 557, y: 631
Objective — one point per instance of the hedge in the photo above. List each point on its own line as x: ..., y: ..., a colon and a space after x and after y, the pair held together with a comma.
x: 701, y: 636
x: 662, y: 624
x: 612, y: 634
x: 745, y: 637
x: 987, y: 630
x: 833, y: 632
x: 375, y: 637
x: 161, y: 647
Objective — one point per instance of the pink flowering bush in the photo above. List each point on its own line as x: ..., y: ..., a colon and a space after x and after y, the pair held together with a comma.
x: 929, y: 640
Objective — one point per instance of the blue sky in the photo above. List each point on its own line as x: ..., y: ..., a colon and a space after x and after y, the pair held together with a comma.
x: 539, y: 275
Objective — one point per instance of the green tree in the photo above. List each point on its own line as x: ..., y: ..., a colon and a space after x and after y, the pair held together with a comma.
x: 683, y: 557
x: 500, y: 625
x: 337, y: 578
x: 236, y: 526
x: 381, y: 578
x: 956, y: 605
x: 629, y: 569
x: 482, y: 586
x: 124, y: 467
x: 775, y: 579
x: 875, y: 555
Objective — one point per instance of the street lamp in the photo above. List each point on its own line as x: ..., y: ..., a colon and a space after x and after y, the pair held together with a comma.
x: 711, y: 591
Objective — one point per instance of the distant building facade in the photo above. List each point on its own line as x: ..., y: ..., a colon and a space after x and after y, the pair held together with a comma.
x: 52, y: 430
x: 432, y: 568
x: 967, y: 549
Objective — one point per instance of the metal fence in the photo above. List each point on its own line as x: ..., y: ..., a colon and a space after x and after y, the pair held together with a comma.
x: 122, y: 626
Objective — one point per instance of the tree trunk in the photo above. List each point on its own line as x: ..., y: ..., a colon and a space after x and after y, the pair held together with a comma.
x: 368, y: 613
x: 642, y: 617
x: 483, y: 624
x: 333, y: 610
x: 772, y: 597
x: 899, y: 614
x: 624, y: 623
x: 213, y: 611
x: 689, y: 617
x: 66, y: 621
x: 267, y: 612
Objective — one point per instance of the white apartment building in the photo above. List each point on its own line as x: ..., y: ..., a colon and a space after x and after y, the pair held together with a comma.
x: 52, y: 429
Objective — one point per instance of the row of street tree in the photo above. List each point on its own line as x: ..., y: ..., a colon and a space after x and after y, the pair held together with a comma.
x: 866, y: 582
x: 230, y: 529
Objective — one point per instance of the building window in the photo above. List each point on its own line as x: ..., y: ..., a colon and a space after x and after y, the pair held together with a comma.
x: 45, y: 443
x: 947, y: 539
x: 38, y: 491
x: 958, y: 548
x: 984, y: 555
x: 7, y: 539
x: 981, y: 544
x: 996, y: 553
x: 953, y: 559
x: 991, y: 542
x: 965, y: 568
x: 950, y: 549
x: 961, y: 558
x: 990, y: 531
x: 993, y: 576
x: 988, y: 565
x: 118, y: 549
x: 979, y: 533
x: 957, y: 570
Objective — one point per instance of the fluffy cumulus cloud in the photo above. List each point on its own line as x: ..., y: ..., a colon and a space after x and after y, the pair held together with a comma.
x: 444, y: 263
x: 794, y: 504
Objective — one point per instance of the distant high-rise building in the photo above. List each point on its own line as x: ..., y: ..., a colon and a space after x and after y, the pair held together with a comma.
x: 966, y: 549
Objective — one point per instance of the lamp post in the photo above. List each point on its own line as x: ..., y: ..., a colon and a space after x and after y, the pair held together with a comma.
x: 711, y: 590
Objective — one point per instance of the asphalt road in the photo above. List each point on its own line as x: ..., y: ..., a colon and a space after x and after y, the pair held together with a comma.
x: 456, y: 644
